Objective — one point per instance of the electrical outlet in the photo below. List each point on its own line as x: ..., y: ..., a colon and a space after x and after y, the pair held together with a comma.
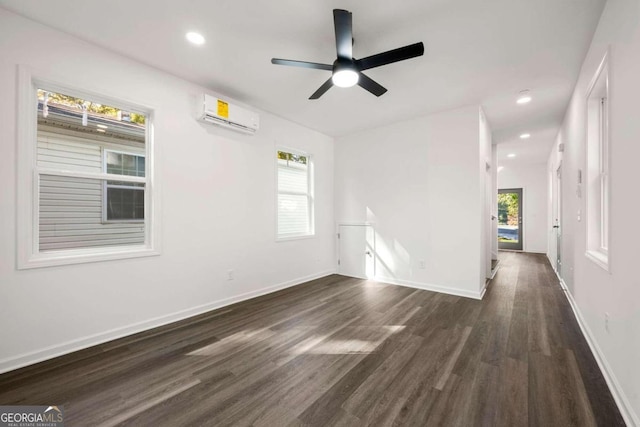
x: 606, y: 322
x: 230, y: 275
x: 422, y: 264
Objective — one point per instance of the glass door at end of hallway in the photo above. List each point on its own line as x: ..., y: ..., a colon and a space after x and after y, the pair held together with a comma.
x: 510, y: 219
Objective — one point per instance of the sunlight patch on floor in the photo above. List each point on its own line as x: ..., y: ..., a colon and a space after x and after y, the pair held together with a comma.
x: 233, y: 341
x: 366, y: 341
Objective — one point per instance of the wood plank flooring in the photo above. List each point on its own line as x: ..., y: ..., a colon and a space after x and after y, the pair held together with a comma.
x: 344, y: 352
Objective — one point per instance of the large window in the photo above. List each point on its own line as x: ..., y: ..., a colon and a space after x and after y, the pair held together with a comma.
x: 295, y: 195
x: 85, y: 192
x: 598, y: 167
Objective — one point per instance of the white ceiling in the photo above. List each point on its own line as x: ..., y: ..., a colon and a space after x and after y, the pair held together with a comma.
x: 476, y: 52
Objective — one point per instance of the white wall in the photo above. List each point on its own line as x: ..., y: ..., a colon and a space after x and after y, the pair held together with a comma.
x: 532, y: 178
x: 218, y: 209
x: 419, y: 182
x: 593, y: 290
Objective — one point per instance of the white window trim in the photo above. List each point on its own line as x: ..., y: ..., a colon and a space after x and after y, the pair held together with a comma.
x: 28, y: 255
x: 310, y: 196
x: 598, y: 258
x: 600, y: 255
x: 604, y: 171
x: 105, y: 186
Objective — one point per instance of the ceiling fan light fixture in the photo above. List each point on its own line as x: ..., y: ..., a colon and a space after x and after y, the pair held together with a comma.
x: 345, y: 77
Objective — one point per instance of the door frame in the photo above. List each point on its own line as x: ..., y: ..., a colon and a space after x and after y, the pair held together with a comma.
x: 356, y: 224
x: 558, y: 219
x: 520, y: 245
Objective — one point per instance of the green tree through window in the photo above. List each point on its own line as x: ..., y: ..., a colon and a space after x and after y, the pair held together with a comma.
x: 508, y: 208
x: 70, y: 101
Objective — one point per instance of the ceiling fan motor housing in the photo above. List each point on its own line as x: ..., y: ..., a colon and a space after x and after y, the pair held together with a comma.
x: 344, y: 64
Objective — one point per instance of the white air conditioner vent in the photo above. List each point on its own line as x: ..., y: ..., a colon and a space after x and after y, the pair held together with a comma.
x: 222, y: 113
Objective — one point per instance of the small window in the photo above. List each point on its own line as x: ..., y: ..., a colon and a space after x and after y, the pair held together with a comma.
x: 295, y: 195
x: 598, y: 167
x: 123, y: 201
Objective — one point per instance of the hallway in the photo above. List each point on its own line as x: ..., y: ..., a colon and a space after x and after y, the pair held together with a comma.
x: 564, y: 383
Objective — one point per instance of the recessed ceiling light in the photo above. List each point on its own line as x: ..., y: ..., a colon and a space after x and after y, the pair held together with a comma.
x: 524, y: 97
x: 195, y: 38
x: 511, y: 155
x: 525, y: 136
x: 500, y: 168
x: 101, y: 126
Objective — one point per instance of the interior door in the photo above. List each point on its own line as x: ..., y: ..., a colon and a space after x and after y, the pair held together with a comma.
x: 558, y: 221
x: 510, y: 219
x: 356, y: 251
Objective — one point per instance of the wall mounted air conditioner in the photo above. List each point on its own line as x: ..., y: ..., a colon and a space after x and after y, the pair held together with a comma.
x: 220, y: 112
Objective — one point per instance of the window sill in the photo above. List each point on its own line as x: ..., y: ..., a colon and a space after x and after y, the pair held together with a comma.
x: 81, y: 256
x: 296, y: 237
x: 598, y: 258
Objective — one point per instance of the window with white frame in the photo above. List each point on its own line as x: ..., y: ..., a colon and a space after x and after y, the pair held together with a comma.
x: 84, y: 188
x: 598, y: 167
x: 122, y: 200
x: 295, y: 195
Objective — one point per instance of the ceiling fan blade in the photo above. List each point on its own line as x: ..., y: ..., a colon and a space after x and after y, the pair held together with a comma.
x: 390, y: 56
x: 370, y: 85
x: 344, y: 33
x: 303, y: 64
x: 322, y: 89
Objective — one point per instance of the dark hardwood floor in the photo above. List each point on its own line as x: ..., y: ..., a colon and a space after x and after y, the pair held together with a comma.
x: 345, y: 352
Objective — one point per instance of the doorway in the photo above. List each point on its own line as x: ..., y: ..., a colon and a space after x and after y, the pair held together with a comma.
x: 356, y: 250
x: 510, y: 219
x: 558, y: 220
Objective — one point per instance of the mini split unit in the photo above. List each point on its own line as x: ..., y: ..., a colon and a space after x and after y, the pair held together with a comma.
x: 222, y: 113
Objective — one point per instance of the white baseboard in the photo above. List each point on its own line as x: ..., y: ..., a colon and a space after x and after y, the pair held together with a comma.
x: 630, y: 418
x: 484, y: 291
x: 26, y: 359
x: 494, y: 272
x: 435, y: 288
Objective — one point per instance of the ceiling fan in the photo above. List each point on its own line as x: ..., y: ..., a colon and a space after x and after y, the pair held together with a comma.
x: 346, y: 70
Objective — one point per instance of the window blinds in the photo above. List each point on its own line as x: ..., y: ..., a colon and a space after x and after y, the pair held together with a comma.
x: 294, y: 196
